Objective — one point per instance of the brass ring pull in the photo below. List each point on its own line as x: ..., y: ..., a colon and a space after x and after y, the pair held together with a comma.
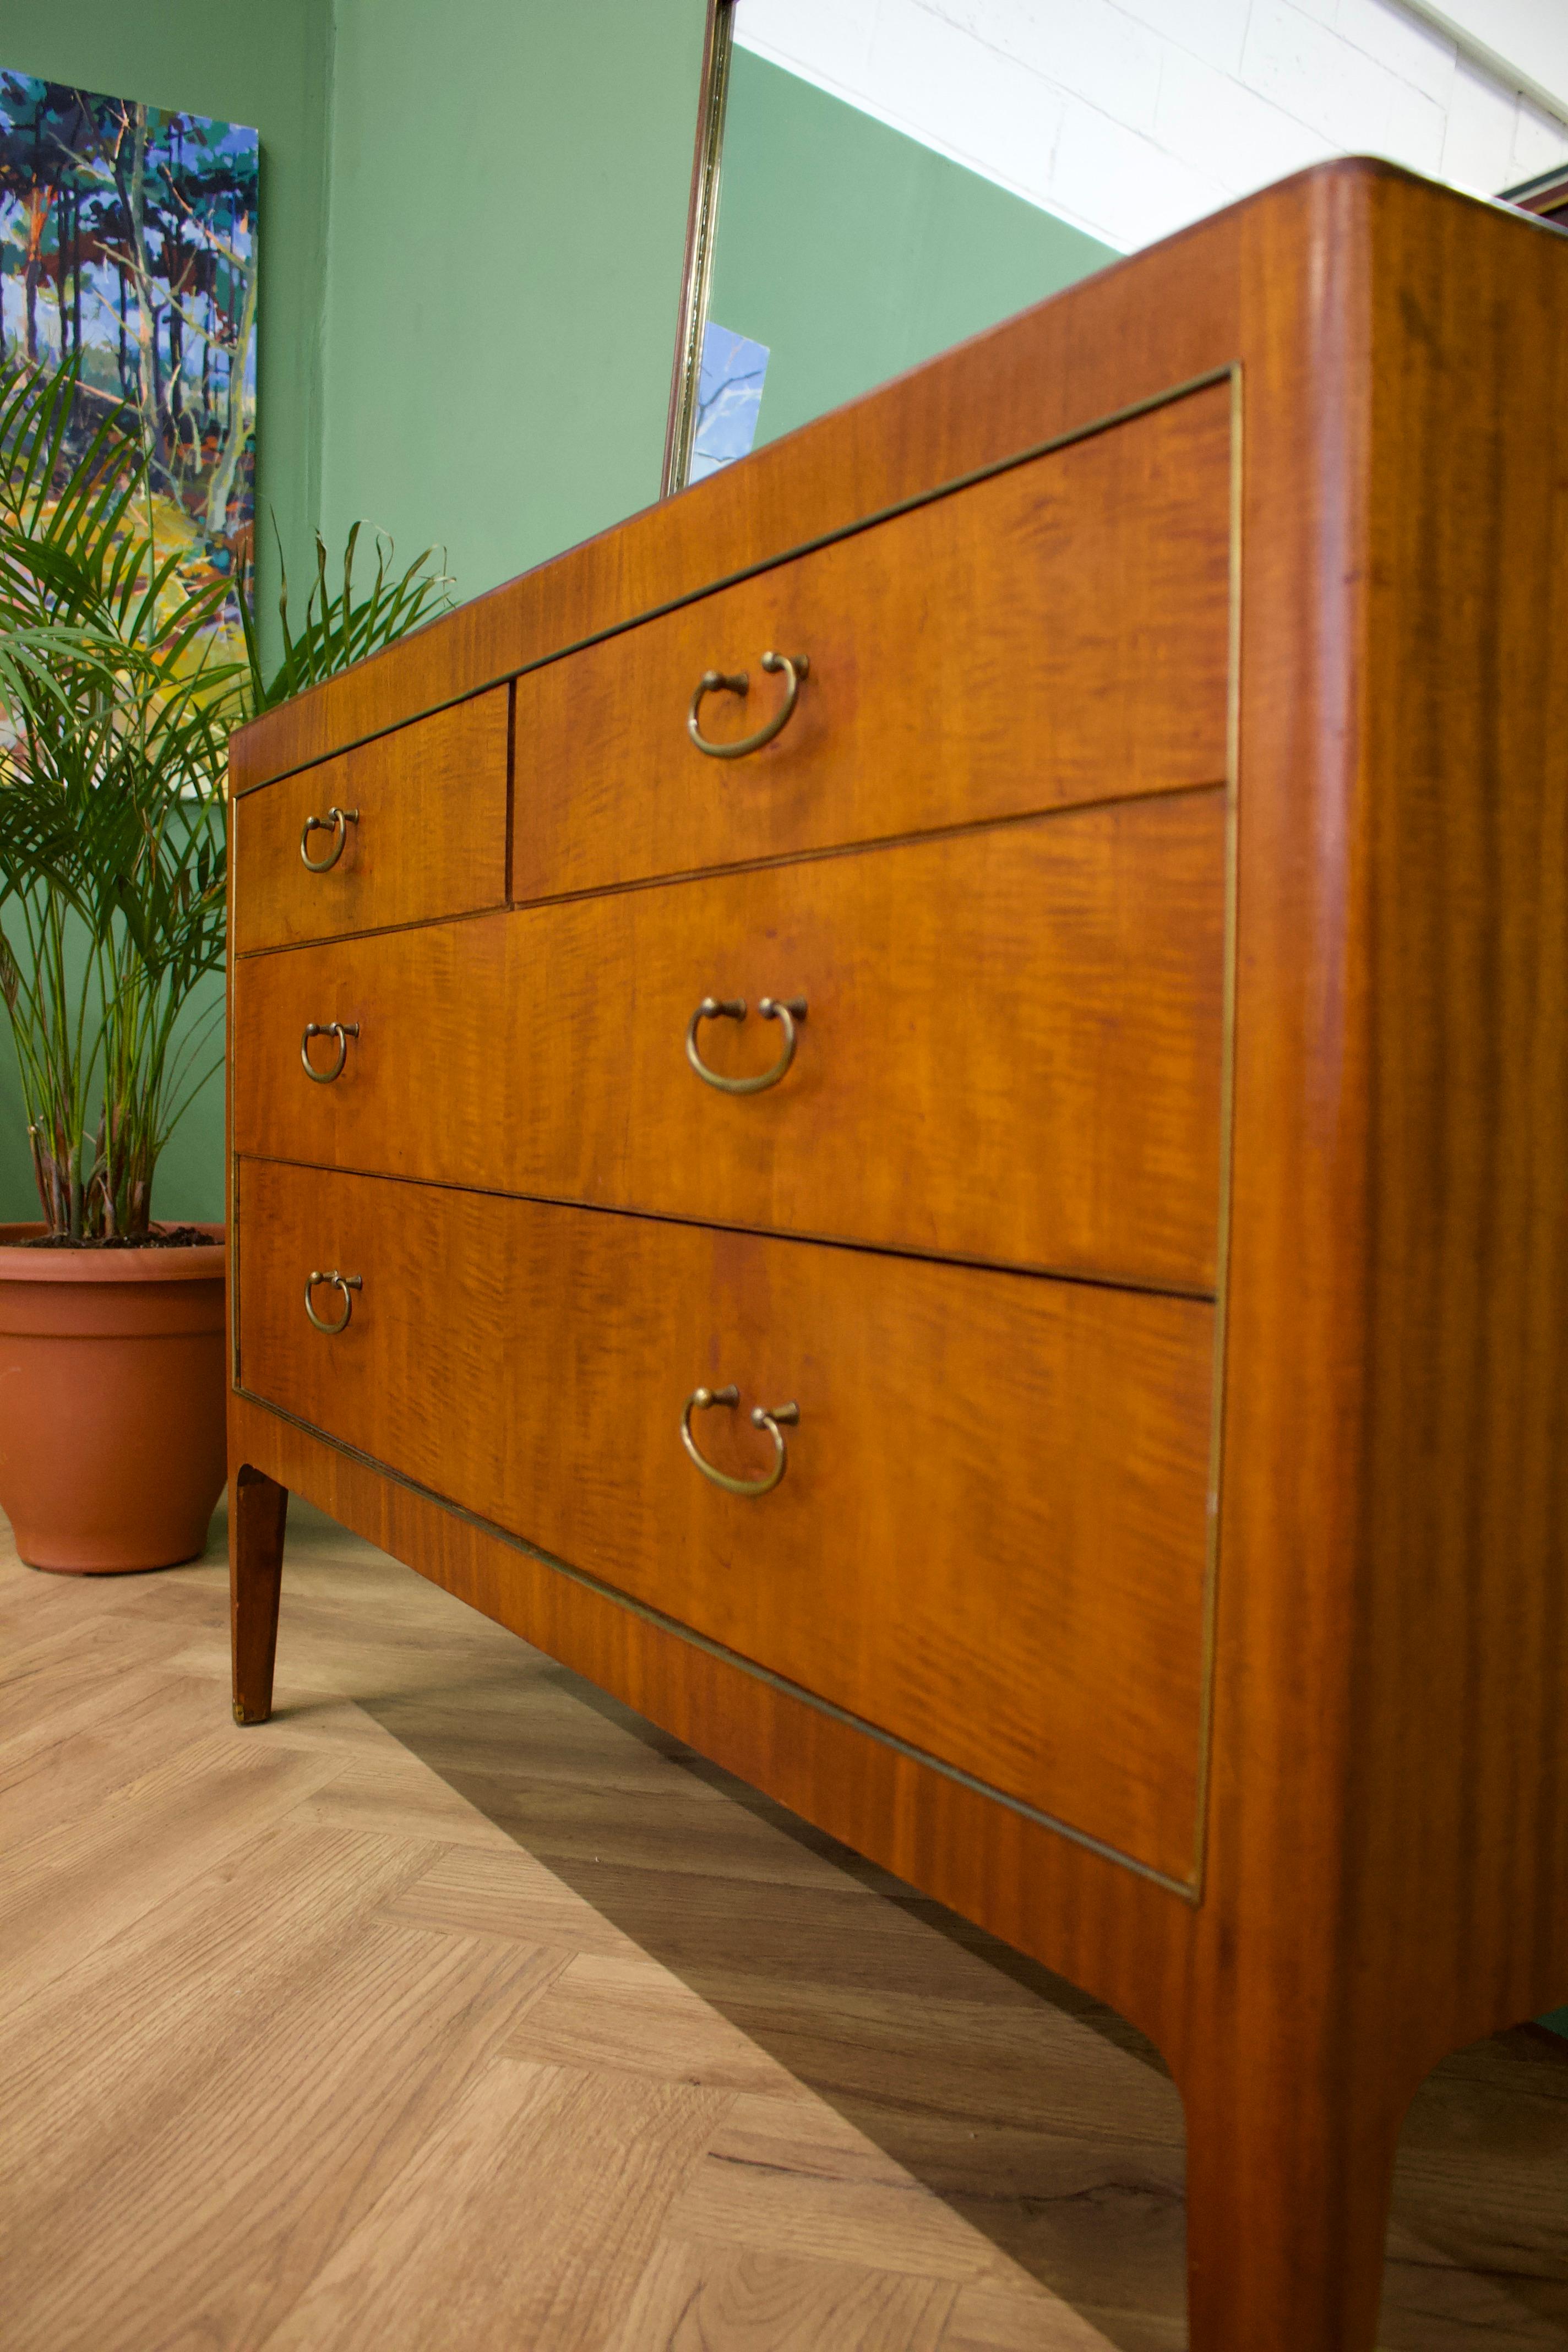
x: 342, y: 1031
x: 699, y: 1401
x: 336, y: 822
x: 347, y: 1284
x: 787, y: 1010
x: 713, y: 681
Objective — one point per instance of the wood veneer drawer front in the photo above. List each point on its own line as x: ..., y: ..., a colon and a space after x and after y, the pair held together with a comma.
x: 990, y: 1536
x: 429, y: 838
x: 1011, y: 1050
x: 1056, y: 633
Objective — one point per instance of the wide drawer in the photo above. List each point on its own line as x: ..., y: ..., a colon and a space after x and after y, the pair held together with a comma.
x: 989, y: 1540
x: 1056, y: 633
x: 429, y: 836
x: 1010, y: 1048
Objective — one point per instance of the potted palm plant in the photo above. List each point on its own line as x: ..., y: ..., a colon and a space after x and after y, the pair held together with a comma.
x: 119, y: 688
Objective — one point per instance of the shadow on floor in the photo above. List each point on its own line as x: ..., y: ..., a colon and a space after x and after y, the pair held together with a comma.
x: 1041, y: 2117
x: 1038, y: 2114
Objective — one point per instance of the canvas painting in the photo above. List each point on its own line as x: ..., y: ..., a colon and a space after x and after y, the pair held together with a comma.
x: 127, y: 248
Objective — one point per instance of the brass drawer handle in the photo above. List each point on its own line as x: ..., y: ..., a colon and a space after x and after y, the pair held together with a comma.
x: 336, y: 822
x: 713, y: 681
x: 347, y: 1284
x: 789, y: 1010
x: 699, y: 1401
x: 342, y: 1031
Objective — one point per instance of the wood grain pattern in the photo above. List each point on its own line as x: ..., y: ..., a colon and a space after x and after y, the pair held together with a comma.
x: 1387, y: 1869
x: 696, y: 2294
x: 942, y: 2148
x: 1395, y: 1565
x: 430, y: 839
x: 256, y: 1567
x: 1046, y: 375
x: 555, y: 2286
x: 1059, y: 632
x: 1072, y: 964
x: 975, y: 1450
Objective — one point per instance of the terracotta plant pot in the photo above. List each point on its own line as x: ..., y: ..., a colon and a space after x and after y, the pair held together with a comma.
x: 113, y: 1387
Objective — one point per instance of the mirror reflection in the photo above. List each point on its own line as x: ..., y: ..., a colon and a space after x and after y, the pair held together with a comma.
x: 803, y: 316
x: 899, y: 174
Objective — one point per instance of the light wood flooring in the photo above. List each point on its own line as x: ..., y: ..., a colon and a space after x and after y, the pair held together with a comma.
x: 458, y: 2008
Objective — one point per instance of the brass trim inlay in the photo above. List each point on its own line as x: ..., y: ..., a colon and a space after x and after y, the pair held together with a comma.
x: 234, y: 1164
x: 1210, y: 1633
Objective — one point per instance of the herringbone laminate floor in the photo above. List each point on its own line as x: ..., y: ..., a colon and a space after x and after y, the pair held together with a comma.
x: 458, y: 2008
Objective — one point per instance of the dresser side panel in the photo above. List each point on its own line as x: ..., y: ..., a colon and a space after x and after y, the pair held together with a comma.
x: 1460, y: 1804
x: 1268, y: 1992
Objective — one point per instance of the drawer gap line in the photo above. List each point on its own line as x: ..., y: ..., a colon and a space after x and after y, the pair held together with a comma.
x: 1156, y: 794
x: 1116, y: 1283
x: 1222, y: 374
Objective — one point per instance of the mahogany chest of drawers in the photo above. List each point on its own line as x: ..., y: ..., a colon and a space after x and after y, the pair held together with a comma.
x: 916, y: 1111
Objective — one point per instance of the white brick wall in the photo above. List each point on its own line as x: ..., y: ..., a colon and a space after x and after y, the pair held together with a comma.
x: 1130, y: 117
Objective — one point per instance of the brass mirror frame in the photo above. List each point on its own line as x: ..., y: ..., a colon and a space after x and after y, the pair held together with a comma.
x: 701, y: 220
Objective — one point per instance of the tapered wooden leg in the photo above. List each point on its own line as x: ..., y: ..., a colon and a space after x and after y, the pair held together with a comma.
x: 257, y: 1511
x: 1290, y: 2177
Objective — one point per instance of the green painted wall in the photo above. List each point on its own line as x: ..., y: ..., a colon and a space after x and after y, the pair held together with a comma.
x: 509, y: 182
x: 853, y: 252
x: 473, y: 218
x: 267, y: 65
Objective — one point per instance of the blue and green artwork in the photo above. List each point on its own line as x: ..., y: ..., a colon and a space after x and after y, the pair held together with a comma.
x: 128, y: 250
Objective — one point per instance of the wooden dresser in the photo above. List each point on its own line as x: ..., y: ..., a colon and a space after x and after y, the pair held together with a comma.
x: 915, y: 1111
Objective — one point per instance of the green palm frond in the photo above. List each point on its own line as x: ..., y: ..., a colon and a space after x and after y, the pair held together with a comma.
x: 342, y: 625
x: 117, y: 701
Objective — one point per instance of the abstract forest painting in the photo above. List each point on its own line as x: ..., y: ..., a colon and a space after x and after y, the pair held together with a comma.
x: 128, y: 249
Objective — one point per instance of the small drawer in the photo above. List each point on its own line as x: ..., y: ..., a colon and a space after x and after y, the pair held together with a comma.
x: 1056, y: 633
x: 410, y: 826
x: 1010, y: 1051
x: 989, y: 1536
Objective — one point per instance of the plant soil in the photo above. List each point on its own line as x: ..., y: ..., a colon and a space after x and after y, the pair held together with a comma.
x: 161, y: 1237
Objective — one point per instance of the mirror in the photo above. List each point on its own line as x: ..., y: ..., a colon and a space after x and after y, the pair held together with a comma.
x: 828, y: 247
x: 878, y: 178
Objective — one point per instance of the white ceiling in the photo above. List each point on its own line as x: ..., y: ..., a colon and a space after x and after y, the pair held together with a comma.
x: 1523, y: 40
